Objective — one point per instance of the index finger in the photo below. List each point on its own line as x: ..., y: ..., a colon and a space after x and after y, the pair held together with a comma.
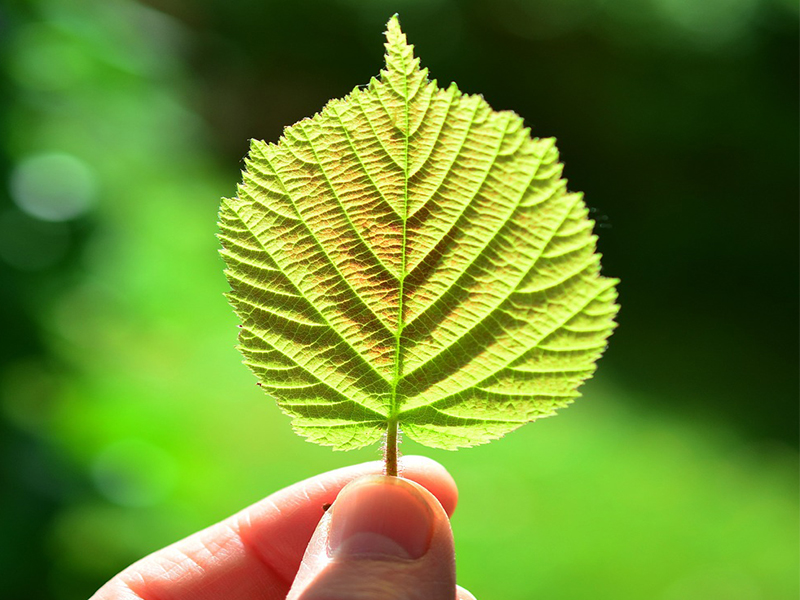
x: 256, y: 552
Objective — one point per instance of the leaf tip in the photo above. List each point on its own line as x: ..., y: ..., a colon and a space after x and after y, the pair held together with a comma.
x: 393, y: 25
x: 395, y: 38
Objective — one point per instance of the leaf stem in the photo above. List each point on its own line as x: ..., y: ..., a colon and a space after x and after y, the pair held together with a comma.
x: 390, y: 449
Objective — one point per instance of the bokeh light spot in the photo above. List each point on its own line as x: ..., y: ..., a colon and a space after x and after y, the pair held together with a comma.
x: 712, y: 22
x: 53, y: 186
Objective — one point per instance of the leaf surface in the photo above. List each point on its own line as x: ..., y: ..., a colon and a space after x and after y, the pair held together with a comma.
x: 408, y: 255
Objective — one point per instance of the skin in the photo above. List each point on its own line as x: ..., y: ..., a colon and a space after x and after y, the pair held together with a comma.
x: 382, y: 538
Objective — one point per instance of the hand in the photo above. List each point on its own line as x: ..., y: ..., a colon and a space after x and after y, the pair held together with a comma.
x: 383, y: 538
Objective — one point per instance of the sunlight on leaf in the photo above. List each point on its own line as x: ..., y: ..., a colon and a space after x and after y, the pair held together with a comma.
x: 410, y: 257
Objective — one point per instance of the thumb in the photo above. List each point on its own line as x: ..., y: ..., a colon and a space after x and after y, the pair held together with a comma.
x: 384, y: 537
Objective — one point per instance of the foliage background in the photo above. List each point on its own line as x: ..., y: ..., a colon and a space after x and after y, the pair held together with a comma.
x: 126, y: 420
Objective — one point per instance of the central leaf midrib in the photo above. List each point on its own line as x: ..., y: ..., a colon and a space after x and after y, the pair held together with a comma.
x: 393, y: 407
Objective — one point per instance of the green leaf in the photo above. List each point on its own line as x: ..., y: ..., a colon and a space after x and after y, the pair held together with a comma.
x: 410, y: 256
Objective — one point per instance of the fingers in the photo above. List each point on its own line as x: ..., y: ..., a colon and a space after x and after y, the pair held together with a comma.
x: 257, y: 552
x: 279, y: 528
x: 384, y: 537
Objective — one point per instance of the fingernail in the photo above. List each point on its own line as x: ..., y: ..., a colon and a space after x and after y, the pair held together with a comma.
x: 380, y: 516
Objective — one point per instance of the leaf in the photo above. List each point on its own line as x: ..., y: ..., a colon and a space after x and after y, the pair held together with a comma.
x: 410, y: 256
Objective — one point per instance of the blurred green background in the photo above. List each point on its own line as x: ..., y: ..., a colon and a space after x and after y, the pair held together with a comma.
x: 127, y: 420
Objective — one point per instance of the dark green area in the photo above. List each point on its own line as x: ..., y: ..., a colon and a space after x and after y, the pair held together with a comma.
x: 126, y: 420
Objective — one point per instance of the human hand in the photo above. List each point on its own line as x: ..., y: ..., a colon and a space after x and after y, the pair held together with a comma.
x: 384, y: 538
